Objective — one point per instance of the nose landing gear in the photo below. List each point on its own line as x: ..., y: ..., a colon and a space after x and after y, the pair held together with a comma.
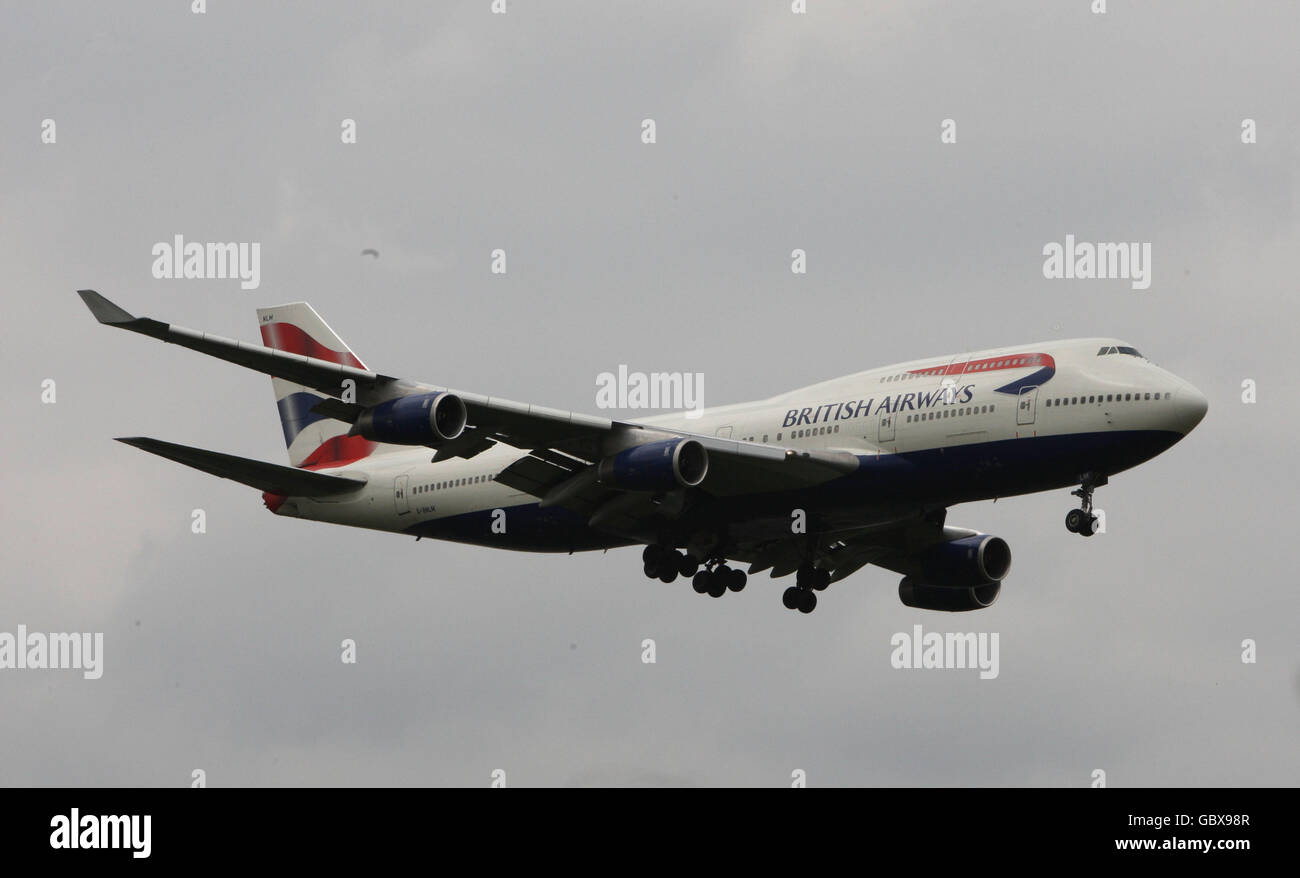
x: 1082, y: 521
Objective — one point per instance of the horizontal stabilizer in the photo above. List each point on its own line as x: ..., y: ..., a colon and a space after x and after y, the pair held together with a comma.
x: 269, y: 477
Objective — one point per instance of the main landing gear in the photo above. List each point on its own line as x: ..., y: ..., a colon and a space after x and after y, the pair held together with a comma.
x: 802, y: 595
x: 714, y: 579
x: 1082, y: 521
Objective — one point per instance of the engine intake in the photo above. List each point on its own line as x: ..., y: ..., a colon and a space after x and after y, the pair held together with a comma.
x: 963, y: 563
x: 656, y: 466
x: 422, y: 419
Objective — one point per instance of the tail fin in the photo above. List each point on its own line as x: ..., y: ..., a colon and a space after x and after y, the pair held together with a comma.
x: 312, y: 438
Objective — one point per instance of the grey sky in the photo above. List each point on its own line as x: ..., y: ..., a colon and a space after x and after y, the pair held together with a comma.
x: 522, y: 131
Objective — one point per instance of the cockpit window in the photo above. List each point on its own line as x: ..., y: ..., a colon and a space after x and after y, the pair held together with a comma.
x: 1119, y: 349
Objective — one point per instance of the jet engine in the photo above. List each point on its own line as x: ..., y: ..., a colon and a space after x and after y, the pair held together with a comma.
x: 421, y: 419
x: 655, y: 466
x: 958, y: 575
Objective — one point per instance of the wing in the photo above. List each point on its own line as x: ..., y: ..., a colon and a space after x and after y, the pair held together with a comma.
x: 889, y: 544
x: 519, y: 424
x: 561, y: 445
x: 268, y: 477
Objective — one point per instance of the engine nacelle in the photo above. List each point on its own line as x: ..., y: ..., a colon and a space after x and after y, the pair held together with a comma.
x: 422, y: 419
x: 951, y: 600
x: 656, y: 466
x: 963, y: 563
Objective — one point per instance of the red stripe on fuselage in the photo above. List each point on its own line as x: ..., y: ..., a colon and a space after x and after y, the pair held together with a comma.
x: 294, y: 340
x: 990, y: 364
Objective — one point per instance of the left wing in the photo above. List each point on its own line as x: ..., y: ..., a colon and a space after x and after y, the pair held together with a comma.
x: 269, y: 477
x: 561, y: 446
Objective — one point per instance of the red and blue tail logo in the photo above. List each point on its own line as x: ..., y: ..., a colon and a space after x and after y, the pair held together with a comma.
x: 313, y: 440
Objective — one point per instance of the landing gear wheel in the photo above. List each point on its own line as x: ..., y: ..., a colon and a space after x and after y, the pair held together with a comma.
x: 791, y: 596
x: 653, y: 553
x: 1082, y: 521
x: 687, y: 565
x: 668, y: 572
x: 1074, y: 520
x: 807, y: 601
x: 718, y: 580
x: 736, y: 579
x: 651, y: 569
x: 701, y: 582
x: 821, y: 579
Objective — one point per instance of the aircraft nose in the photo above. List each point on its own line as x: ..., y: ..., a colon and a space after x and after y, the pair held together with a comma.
x: 1190, y: 406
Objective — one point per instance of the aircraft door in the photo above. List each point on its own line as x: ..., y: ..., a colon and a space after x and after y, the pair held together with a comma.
x: 886, y: 431
x: 400, y: 497
x: 1027, y: 406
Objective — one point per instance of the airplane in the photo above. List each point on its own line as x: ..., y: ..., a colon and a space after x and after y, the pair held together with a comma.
x: 817, y: 482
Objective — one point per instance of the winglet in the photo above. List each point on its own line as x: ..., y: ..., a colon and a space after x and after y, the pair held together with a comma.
x: 104, y: 310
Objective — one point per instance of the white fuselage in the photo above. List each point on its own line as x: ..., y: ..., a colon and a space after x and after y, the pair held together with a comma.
x: 925, y: 405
